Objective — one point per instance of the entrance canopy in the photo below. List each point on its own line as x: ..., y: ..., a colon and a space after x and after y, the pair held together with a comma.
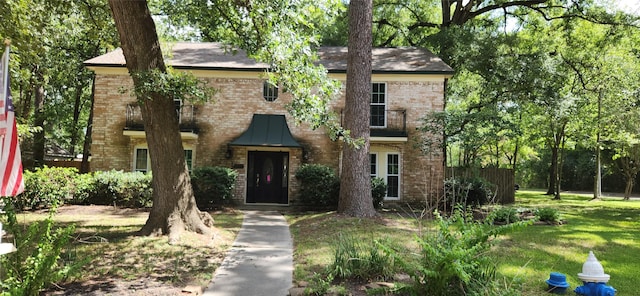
x: 267, y: 130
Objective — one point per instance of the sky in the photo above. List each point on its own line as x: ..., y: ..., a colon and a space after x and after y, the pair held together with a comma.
x: 629, y: 5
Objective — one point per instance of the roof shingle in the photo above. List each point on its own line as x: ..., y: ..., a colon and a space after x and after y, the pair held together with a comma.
x: 211, y: 55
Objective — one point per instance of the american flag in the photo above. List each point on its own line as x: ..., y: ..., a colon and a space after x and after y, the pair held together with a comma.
x: 10, y: 159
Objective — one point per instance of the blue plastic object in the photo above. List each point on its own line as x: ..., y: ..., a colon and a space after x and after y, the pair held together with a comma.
x: 595, y: 289
x: 557, y: 283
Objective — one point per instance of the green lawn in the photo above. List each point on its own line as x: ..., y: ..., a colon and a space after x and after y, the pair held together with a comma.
x: 609, y: 227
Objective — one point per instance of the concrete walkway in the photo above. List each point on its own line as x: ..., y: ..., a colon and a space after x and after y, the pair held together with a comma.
x: 260, y: 262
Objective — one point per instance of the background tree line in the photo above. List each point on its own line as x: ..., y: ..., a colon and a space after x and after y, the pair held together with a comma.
x: 536, y: 80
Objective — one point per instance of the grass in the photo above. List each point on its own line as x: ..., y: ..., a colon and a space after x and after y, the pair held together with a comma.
x: 315, y: 235
x: 106, y: 237
x: 609, y: 227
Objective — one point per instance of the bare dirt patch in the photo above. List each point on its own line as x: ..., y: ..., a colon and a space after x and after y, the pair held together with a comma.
x: 121, y: 263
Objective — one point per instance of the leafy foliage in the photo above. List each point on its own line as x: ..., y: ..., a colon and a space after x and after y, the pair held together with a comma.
x: 173, y: 84
x: 213, y: 186
x: 505, y: 215
x: 378, y: 192
x: 319, y: 186
x: 37, y: 262
x: 548, y: 215
x: 125, y: 189
x: 453, y: 260
x: 468, y: 191
x: 46, y: 186
x: 355, y: 258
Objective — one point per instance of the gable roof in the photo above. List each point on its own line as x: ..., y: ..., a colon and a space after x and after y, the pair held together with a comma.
x: 217, y: 56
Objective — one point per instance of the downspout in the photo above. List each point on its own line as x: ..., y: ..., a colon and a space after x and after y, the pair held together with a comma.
x: 444, y: 132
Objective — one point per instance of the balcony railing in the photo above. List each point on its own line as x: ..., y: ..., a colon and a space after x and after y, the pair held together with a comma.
x: 186, y: 116
x: 389, y: 123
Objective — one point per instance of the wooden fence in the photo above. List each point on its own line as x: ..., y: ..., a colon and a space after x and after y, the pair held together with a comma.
x: 504, y: 179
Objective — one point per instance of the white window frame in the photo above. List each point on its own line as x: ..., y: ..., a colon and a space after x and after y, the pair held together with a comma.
x: 374, y: 173
x: 384, y: 104
x: 269, y: 91
x: 397, y: 175
x: 148, y: 165
x: 382, y: 170
x: 135, y: 159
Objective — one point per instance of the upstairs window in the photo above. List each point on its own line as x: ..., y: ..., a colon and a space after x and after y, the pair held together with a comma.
x: 378, y: 104
x: 269, y: 91
x: 178, y: 104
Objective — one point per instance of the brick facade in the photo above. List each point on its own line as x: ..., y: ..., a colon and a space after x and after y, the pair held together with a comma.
x: 229, y: 113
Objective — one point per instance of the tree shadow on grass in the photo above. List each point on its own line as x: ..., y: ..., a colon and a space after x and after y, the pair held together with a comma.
x: 120, y: 262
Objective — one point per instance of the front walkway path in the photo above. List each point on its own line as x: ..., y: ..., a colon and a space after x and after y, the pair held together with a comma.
x: 260, y: 262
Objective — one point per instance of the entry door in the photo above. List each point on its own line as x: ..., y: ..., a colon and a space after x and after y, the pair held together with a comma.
x: 268, y: 176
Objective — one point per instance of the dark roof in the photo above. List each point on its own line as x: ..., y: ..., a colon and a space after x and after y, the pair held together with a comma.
x: 217, y: 56
x: 267, y: 130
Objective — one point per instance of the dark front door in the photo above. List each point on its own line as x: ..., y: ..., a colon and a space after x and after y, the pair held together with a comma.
x: 267, y: 177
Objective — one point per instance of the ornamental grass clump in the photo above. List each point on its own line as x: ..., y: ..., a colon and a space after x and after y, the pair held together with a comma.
x: 505, y: 215
x: 549, y: 215
x: 361, y: 259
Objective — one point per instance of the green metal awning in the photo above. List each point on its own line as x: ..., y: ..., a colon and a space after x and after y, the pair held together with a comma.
x: 267, y: 130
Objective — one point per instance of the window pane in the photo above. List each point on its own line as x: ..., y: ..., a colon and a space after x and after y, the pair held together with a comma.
x: 377, y: 115
x: 141, y: 160
x: 393, y: 165
x: 188, y: 157
x: 393, y: 186
x: 373, y: 165
x: 393, y: 175
x: 378, y: 104
x: 269, y: 91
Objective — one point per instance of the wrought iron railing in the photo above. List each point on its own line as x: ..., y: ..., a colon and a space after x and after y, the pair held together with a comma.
x: 186, y: 116
x: 389, y: 123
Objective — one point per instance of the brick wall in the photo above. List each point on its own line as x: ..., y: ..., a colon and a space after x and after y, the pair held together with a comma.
x: 230, y: 112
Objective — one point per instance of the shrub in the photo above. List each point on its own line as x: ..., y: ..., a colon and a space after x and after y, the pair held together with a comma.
x: 319, y: 186
x: 505, y: 215
x: 46, y: 186
x: 37, y: 261
x: 453, y: 260
x: 474, y: 191
x: 548, y: 215
x: 378, y: 192
x: 213, y: 186
x: 84, y: 187
x: 126, y: 189
x: 361, y: 259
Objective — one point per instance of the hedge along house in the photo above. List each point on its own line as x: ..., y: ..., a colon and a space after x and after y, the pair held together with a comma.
x: 246, y: 127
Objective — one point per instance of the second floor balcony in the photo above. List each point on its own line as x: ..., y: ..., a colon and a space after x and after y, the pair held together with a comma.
x: 186, y: 118
x: 386, y: 122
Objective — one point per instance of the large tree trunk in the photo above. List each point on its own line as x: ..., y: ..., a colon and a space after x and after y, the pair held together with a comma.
x: 629, y: 187
x: 38, y: 121
x: 76, y: 117
x: 355, y: 188
x: 86, y: 148
x: 174, y: 208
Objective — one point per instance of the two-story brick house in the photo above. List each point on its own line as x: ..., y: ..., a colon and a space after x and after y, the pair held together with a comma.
x: 246, y: 126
